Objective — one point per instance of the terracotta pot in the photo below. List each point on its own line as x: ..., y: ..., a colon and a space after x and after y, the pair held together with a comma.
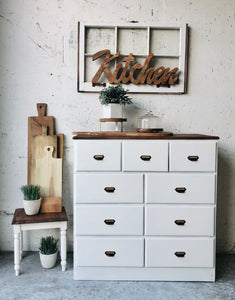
x: 32, y: 207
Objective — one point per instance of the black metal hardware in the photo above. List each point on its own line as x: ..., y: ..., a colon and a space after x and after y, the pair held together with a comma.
x: 180, y: 254
x: 109, y: 221
x: 98, y: 157
x: 180, y: 222
x: 110, y: 253
x: 109, y: 189
x: 180, y: 189
x: 145, y: 157
x: 193, y: 157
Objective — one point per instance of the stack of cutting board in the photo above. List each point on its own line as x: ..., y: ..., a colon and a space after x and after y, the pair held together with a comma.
x: 45, y: 155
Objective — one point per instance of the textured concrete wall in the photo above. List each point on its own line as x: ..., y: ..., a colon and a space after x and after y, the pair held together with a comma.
x: 38, y: 57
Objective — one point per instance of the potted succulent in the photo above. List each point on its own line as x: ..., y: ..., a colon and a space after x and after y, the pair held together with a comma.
x: 32, y: 200
x: 113, y: 98
x: 48, y: 251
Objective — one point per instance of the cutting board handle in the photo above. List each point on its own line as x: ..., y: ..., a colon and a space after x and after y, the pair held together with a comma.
x: 42, y: 109
x: 49, y: 150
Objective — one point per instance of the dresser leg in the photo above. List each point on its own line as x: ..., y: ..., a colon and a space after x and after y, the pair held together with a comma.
x: 17, y: 250
x: 63, y: 249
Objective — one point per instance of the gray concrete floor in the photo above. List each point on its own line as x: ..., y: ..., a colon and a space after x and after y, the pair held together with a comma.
x: 37, y: 283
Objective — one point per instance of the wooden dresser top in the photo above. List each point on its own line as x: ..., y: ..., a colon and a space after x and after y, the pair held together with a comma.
x: 105, y: 135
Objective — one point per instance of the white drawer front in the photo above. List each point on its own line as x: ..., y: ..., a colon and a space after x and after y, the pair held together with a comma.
x: 180, y: 220
x: 145, y: 155
x: 192, y: 156
x: 109, y: 220
x: 180, y: 188
x: 99, y: 155
x: 108, y: 188
x: 179, y: 252
x: 127, y: 252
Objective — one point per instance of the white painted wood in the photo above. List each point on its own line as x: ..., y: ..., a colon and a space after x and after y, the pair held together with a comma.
x: 133, y: 150
x: 90, y: 188
x: 85, y: 150
x: 160, y: 188
x: 147, y: 274
x: 177, y: 88
x: 90, y: 219
x: 91, y: 252
x: 18, y: 232
x: 180, y: 150
x: 160, y: 252
x: 145, y: 207
x: 160, y: 220
x: 63, y: 248
x: 17, y: 249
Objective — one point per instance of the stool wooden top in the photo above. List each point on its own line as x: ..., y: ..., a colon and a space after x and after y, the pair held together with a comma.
x: 20, y: 217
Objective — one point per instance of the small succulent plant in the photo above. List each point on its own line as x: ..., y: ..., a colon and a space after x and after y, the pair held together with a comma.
x: 31, y: 192
x: 48, y: 245
x: 114, y: 94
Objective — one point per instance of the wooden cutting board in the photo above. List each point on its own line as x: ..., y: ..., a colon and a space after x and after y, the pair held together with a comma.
x: 38, y: 142
x: 35, y: 127
x: 48, y: 175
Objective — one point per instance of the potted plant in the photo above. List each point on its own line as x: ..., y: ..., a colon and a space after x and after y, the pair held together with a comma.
x: 113, y: 98
x: 48, y: 251
x: 32, y: 200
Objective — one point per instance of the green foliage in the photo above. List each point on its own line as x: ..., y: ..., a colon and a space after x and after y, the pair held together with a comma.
x: 114, y: 94
x: 48, y: 245
x: 31, y: 192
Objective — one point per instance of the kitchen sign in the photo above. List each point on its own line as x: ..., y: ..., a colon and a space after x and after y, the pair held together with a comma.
x: 135, y: 74
x: 144, y: 59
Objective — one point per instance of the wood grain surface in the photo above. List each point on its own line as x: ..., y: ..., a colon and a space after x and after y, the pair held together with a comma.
x: 35, y: 127
x: 20, y: 217
x: 38, y: 142
x: 49, y: 174
x: 138, y: 136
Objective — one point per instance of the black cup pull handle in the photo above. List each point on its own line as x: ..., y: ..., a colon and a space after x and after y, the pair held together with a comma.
x: 180, y: 222
x: 98, y: 157
x: 145, y: 157
x: 109, y: 221
x: 109, y: 189
x: 193, y: 157
x: 180, y: 254
x: 180, y: 189
x: 110, y: 253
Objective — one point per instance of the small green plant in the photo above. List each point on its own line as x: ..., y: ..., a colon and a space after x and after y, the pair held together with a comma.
x: 114, y: 94
x: 48, y: 245
x: 31, y: 192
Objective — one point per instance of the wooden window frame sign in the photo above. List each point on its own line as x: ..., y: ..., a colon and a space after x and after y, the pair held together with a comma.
x: 144, y: 59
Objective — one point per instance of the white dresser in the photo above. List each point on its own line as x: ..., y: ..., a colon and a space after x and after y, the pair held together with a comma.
x: 144, y: 209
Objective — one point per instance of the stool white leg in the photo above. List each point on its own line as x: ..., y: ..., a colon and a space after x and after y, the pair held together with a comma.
x: 17, y: 249
x: 21, y: 244
x: 63, y: 248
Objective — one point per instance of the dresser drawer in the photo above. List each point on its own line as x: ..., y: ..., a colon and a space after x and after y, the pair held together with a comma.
x: 145, y: 156
x: 179, y: 252
x: 109, y: 220
x: 190, y: 220
x: 192, y: 156
x: 180, y: 188
x: 108, y: 188
x: 109, y: 252
x: 99, y: 155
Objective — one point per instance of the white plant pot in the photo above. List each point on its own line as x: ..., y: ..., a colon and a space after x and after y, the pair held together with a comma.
x: 112, y: 110
x: 32, y: 207
x: 48, y: 260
